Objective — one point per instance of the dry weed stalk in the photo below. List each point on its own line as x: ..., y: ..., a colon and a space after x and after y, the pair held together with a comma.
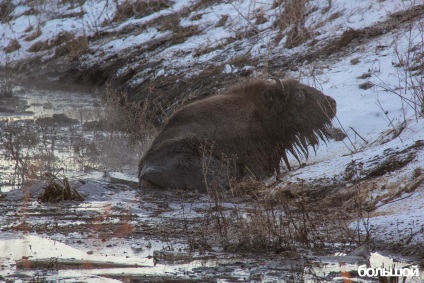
x: 293, y: 17
x: 132, y: 117
x: 410, y: 63
x: 19, y: 143
x: 276, y: 219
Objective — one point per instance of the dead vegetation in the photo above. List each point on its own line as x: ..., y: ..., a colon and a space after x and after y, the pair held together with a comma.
x: 74, y: 47
x: 132, y: 117
x: 292, y: 22
x: 139, y: 8
x: 182, y: 33
x: 277, y: 220
x: 138, y: 119
x: 6, y: 9
x: 35, y: 34
x: 366, y: 85
x: 12, y: 46
x: 57, y: 190
x: 252, y: 216
x: 66, y: 44
x: 273, y: 219
x: 6, y: 88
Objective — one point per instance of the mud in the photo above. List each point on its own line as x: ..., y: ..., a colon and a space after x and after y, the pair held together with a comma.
x: 134, y: 235
x: 121, y: 232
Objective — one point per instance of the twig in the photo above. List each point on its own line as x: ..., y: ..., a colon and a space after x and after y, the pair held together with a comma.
x: 359, y: 135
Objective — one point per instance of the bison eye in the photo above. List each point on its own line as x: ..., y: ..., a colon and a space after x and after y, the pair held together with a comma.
x: 268, y: 96
x: 299, y: 98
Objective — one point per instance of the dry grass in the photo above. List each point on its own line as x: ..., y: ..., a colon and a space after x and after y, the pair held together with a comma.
x: 66, y: 43
x: 293, y: 18
x: 366, y: 85
x: 182, y: 33
x: 133, y: 117
x: 33, y: 35
x: 12, y: 46
x: 6, y: 8
x: 139, y: 9
x: 347, y: 37
x: 276, y: 220
x: 365, y: 76
x: 222, y: 21
x: 202, y: 4
x: 49, y: 44
x: 260, y: 17
x: 74, y: 47
x: 6, y: 88
x: 57, y: 190
x: 272, y: 219
x: 355, y: 61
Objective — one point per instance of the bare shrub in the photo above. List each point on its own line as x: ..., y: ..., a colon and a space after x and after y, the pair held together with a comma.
x: 129, y: 116
x: 86, y: 153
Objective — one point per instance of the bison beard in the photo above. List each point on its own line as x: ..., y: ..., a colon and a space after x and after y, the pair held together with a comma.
x: 251, y: 126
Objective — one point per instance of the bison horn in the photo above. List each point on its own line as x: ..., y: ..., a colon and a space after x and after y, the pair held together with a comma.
x: 280, y: 86
x: 278, y: 82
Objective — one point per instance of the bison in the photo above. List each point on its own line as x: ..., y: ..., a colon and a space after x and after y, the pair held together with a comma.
x: 243, y: 131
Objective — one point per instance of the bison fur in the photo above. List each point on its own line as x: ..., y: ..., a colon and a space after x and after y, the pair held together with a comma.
x: 251, y: 126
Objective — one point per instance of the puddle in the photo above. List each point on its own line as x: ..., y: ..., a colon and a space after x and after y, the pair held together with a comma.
x: 57, y: 261
x: 120, y: 233
x: 44, y: 131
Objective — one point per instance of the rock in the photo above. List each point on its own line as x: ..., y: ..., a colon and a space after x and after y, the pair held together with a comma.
x: 172, y: 256
x: 119, y: 178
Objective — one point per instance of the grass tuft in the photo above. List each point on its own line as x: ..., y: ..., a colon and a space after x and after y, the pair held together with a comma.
x: 139, y: 9
x: 12, y: 46
x: 57, y: 190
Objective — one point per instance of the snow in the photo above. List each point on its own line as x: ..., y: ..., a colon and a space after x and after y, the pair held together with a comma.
x: 369, y: 112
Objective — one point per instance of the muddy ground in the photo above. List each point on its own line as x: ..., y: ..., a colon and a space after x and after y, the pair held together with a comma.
x: 129, y: 233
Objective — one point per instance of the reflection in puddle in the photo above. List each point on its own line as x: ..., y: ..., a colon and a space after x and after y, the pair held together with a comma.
x: 29, y: 147
x: 63, y: 259
x: 45, y: 132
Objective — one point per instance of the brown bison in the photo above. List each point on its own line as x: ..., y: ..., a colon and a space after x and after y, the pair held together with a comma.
x: 248, y: 128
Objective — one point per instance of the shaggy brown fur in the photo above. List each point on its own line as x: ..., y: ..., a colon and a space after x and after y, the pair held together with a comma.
x: 255, y: 122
